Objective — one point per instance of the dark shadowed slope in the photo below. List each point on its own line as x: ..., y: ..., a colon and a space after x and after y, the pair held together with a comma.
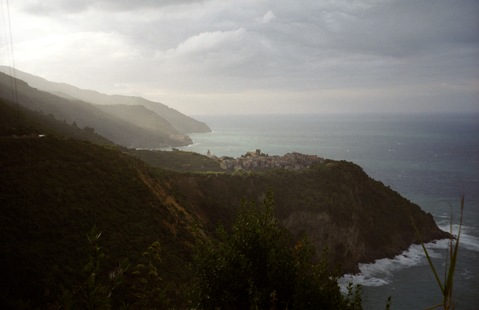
x: 54, y: 191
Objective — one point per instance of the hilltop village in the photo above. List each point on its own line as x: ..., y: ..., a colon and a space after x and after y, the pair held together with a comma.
x: 255, y: 160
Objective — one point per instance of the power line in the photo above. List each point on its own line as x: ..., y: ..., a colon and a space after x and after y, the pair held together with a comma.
x: 10, y: 52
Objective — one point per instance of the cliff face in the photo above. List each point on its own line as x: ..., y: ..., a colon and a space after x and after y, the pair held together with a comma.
x: 365, y: 220
x: 344, y: 244
x: 348, y: 246
x: 339, y: 207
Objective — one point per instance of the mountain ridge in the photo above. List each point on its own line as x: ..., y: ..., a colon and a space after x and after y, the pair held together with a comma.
x: 85, y: 114
x: 183, y: 123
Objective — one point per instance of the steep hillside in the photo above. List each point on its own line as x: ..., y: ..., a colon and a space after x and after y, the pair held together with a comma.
x: 24, y: 122
x: 53, y: 191
x: 181, y: 122
x: 87, y: 115
x: 140, y: 116
x: 184, y: 124
x: 335, y: 203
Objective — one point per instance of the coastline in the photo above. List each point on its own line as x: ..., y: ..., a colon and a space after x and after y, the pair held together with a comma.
x: 431, y: 159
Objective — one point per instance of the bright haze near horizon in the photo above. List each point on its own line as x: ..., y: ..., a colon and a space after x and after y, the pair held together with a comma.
x: 255, y: 56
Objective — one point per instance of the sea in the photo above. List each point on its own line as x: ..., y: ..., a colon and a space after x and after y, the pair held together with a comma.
x: 431, y: 159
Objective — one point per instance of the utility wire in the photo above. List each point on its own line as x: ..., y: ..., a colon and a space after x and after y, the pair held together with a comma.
x: 10, y: 52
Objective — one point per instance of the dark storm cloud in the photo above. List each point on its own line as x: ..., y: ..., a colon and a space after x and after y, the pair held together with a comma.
x: 73, y: 7
x: 406, y: 27
x: 125, y: 5
x: 367, y: 48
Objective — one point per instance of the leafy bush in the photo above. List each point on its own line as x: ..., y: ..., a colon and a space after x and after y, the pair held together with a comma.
x: 256, y: 265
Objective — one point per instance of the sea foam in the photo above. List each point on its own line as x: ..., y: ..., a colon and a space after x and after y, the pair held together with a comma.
x: 381, y: 271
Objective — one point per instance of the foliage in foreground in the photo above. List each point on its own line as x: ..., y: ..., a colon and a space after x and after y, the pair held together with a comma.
x: 127, y: 286
x: 256, y: 266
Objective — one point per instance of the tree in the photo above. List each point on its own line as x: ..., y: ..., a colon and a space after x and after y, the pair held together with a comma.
x: 257, y: 265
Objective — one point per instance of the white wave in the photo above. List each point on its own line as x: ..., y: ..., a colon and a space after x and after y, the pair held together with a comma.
x: 380, y: 272
x: 193, y: 144
x: 469, y: 242
x: 360, y: 279
x: 467, y: 239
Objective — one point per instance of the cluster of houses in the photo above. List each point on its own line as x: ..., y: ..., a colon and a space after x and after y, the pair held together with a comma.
x: 256, y: 160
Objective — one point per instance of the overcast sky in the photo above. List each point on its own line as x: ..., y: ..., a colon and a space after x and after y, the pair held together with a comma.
x: 256, y: 56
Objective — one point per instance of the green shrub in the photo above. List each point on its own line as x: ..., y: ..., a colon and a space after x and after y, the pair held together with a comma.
x: 257, y: 266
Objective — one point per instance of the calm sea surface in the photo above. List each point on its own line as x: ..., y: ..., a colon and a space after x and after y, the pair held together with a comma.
x: 429, y: 159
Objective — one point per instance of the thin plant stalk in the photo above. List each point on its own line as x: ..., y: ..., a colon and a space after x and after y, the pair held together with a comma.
x: 446, y: 287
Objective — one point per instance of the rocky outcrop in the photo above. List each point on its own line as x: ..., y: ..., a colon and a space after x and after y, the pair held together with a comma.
x: 343, y: 244
x: 378, y: 223
x: 336, y: 204
x: 347, y: 246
